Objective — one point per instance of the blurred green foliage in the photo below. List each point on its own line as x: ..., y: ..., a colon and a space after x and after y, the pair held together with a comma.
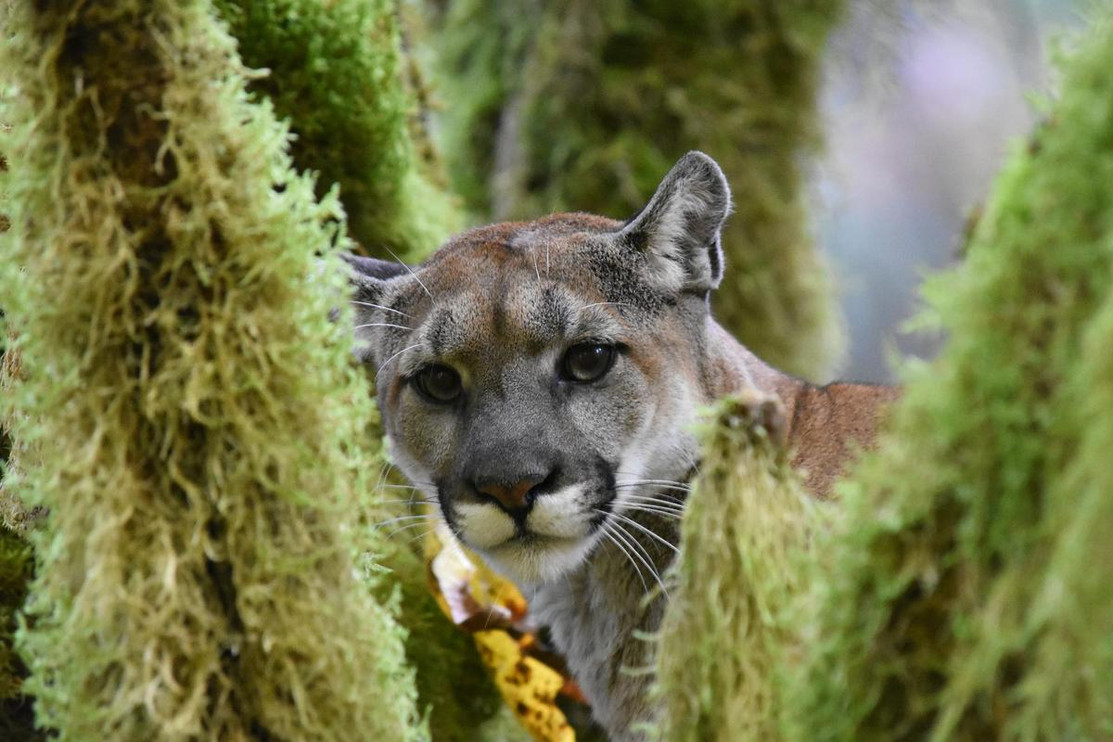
x: 578, y: 105
x: 959, y: 599
x: 335, y: 72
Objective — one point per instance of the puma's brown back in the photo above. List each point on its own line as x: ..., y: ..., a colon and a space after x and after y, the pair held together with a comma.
x: 827, y: 425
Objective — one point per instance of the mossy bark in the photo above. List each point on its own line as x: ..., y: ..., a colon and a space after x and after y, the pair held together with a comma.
x: 959, y: 601
x: 578, y: 105
x: 745, y: 541
x: 16, y: 714
x: 194, y: 419
x: 336, y: 72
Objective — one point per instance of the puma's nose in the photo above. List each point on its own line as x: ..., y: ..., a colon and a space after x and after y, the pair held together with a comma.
x: 512, y: 497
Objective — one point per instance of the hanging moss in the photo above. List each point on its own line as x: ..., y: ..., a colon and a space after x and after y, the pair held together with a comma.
x: 745, y: 539
x: 1070, y: 682
x: 191, y: 409
x: 359, y: 130
x: 576, y: 105
x: 941, y: 606
x: 16, y: 717
x: 335, y: 72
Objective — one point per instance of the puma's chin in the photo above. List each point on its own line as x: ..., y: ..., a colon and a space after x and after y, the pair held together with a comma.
x: 534, y: 558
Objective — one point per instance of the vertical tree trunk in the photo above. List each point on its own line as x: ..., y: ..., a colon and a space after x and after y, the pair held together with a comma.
x: 194, y: 422
x: 960, y: 599
x: 336, y: 72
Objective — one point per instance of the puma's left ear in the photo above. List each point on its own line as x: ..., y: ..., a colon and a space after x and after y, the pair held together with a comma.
x: 368, y: 275
x: 678, y: 230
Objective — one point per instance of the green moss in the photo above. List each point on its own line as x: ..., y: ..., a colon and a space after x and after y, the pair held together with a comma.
x: 745, y: 539
x: 335, y: 72
x: 191, y: 416
x: 16, y: 709
x: 940, y: 608
x: 454, y: 688
x: 1069, y: 686
x: 585, y: 105
x: 15, y: 573
x: 16, y: 718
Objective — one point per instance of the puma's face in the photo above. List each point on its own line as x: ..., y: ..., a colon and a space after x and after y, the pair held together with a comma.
x: 531, y: 375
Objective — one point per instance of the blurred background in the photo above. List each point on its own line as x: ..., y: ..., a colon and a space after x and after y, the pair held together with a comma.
x: 552, y: 105
x: 917, y: 123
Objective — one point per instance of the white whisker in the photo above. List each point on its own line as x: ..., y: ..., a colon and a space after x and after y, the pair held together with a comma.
x: 634, y: 507
x: 411, y: 272
x: 384, y: 363
x: 607, y: 534
x: 411, y: 501
x: 383, y: 324
x: 403, y: 518
x: 423, y: 534
x: 402, y: 529
x: 659, y: 499
x: 638, y: 551
x: 652, y: 507
x: 674, y: 487
x: 644, y: 530
x: 380, y: 306
x: 673, y: 482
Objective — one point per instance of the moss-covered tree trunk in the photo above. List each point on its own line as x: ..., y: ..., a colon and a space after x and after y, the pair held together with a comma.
x: 583, y: 105
x: 745, y: 544
x: 194, y: 423
x: 967, y: 595
x: 16, y: 717
x: 337, y: 74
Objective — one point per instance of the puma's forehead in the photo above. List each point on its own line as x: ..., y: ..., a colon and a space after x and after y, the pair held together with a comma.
x: 487, y: 257
x: 527, y: 317
x: 566, y: 254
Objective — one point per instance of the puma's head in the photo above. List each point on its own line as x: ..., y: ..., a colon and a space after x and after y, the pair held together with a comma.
x: 533, y: 375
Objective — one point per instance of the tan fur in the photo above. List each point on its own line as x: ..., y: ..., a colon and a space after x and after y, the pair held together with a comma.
x: 826, y: 425
x: 605, y: 462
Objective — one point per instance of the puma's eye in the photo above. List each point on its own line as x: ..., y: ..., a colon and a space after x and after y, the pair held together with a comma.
x: 437, y: 383
x: 587, y: 361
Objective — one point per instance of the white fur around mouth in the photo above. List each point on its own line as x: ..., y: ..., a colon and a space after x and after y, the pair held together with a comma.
x: 536, y: 559
x: 558, y: 535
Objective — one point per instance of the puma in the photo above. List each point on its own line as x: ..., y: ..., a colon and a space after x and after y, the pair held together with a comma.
x: 538, y: 381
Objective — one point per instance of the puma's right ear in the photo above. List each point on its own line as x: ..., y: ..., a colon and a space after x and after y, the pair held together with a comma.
x: 678, y: 230
x: 368, y: 276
